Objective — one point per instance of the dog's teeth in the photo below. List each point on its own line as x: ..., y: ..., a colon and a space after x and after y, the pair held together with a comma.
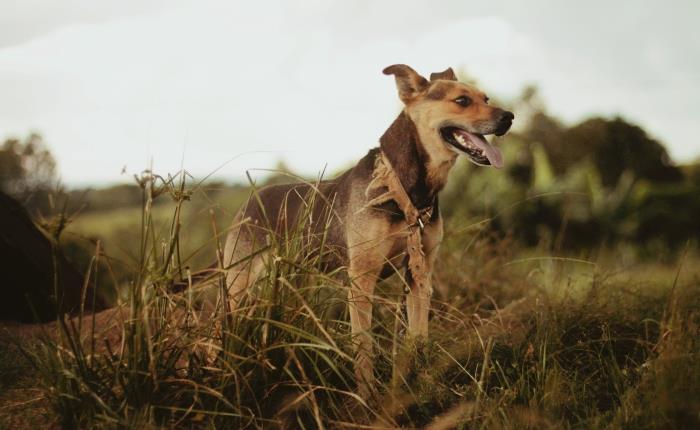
x: 461, y: 140
x: 468, y: 144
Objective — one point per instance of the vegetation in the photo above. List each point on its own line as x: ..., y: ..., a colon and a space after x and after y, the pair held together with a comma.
x: 28, y: 171
x: 515, y: 343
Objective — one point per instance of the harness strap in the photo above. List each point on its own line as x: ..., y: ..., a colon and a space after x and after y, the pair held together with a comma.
x: 384, y: 176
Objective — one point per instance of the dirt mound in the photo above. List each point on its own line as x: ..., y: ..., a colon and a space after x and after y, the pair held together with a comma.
x: 37, y: 280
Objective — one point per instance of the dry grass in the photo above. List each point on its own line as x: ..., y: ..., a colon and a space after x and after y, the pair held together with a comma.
x: 515, y: 343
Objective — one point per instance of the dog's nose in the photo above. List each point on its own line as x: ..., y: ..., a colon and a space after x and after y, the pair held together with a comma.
x: 504, y: 123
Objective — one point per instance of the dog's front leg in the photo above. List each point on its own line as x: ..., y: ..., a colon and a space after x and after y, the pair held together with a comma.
x: 418, y: 308
x: 360, y: 307
x: 418, y: 299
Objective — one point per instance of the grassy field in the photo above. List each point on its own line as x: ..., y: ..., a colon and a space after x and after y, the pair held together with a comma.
x: 520, y: 338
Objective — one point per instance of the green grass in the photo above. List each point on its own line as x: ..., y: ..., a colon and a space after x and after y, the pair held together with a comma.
x: 518, y: 340
x: 119, y: 229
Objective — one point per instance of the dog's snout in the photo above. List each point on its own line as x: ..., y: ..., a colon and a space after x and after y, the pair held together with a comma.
x: 504, y: 122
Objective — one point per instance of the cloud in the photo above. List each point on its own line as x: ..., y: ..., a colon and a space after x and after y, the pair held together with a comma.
x: 302, y: 80
x: 23, y: 21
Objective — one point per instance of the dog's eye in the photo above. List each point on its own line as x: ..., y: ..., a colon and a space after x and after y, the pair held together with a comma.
x: 486, y: 99
x: 463, y: 101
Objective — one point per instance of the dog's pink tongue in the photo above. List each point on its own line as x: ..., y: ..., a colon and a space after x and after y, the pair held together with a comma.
x: 491, y: 152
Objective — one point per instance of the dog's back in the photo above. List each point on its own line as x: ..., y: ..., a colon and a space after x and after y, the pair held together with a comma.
x: 314, y: 212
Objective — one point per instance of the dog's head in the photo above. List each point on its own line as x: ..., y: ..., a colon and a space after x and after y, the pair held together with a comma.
x: 451, y: 117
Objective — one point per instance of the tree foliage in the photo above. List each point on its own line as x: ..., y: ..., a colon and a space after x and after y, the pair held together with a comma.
x: 613, y: 145
x: 28, y: 170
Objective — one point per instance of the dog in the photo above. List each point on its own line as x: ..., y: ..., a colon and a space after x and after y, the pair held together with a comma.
x: 385, y: 212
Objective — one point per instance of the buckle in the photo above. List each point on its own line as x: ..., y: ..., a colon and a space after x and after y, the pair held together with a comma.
x: 424, y: 217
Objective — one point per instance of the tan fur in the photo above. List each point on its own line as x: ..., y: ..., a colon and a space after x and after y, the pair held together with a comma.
x: 369, y: 232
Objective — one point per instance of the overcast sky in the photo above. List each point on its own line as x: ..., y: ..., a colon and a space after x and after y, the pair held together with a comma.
x: 115, y: 83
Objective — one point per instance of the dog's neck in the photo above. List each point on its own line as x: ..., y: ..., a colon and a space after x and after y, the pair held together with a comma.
x: 402, y: 146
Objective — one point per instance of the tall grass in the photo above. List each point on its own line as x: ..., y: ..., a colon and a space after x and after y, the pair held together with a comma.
x: 513, y: 344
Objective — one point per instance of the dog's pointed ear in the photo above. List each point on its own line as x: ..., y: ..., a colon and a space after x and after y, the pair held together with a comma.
x: 408, y: 81
x: 448, y: 75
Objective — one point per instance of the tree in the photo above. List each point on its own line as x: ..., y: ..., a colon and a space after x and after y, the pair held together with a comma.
x: 616, y: 146
x: 27, y: 171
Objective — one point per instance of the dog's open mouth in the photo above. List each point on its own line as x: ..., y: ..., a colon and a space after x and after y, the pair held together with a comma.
x: 475, y: 146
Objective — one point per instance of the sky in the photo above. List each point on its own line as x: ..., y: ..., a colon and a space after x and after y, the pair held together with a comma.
x: 226, y: 87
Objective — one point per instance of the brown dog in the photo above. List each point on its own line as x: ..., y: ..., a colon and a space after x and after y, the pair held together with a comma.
x: 385, y: 209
